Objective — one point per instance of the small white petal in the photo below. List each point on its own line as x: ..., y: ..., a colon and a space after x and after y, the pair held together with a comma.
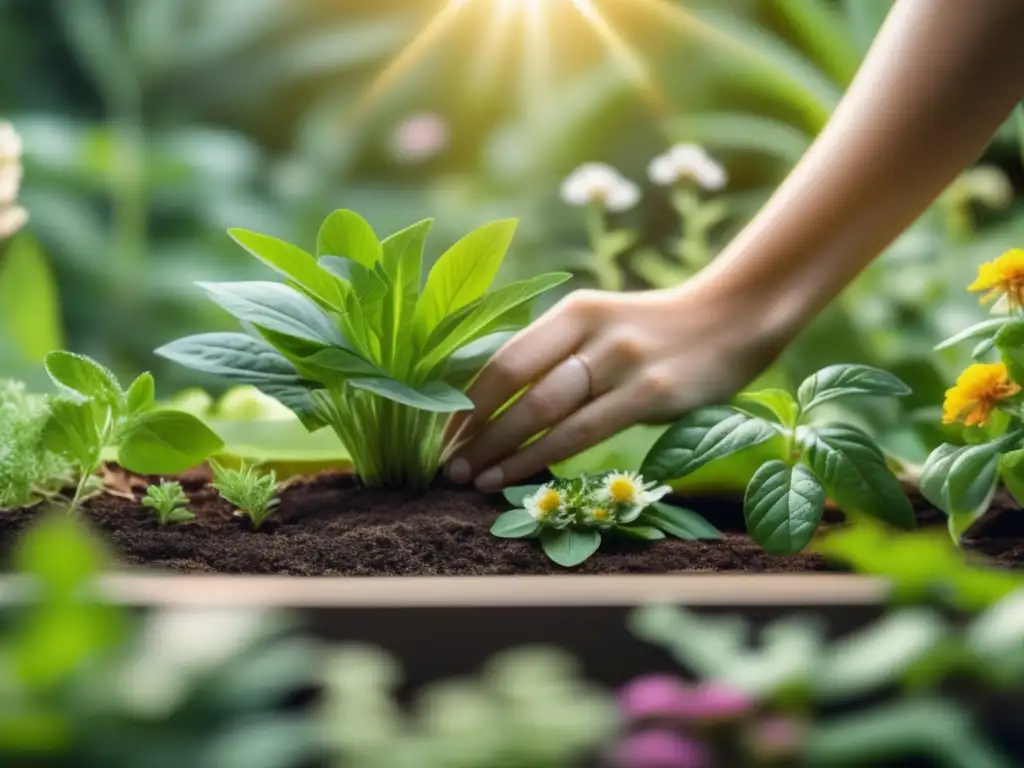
x: 623, y: 196
x: 10, y: 183
x: 10, y: 142
x: 711, y: 175
x: 11, y: 220
x: 662, y: 171
x: 687, y: 155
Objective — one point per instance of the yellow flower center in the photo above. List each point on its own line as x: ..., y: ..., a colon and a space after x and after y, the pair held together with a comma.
x: 622, y: 489
x: 600, y: 514
x: 978, y: 391
x: 549, y: 501
x: 1002, y: 277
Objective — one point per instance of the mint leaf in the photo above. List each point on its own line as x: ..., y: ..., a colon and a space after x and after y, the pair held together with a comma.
x: 783, y: 506
x: 569, y: 548
x: 516, y: 524
x: 80, y: 377
x: 777, y: 401
x: 433, y: 396
x: 701, y: 437
x: 292, y: 262
x: 838, y: 381
x: 141, y: 394
x: 853, y: 470
x: 72, y: 432
x: 166, y: 443
x: 346, y: 233
x: 275, y: 307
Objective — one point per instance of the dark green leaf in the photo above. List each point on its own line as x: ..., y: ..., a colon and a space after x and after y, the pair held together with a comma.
x: 783, y: 506
x: 292, y: 262
x: 853, y: 470
x: 1010, y: 343
x: 517, y: 495
x: 846, y: 380
x: 346, y: 233
x: 81, y: 377
x: 71, y: 431
x: 701, y: 437
x: 141, y: 394
x: 166, y: 443
x: 641, y: 532
x: 778, y: 401
x: 435, y: 396
x: 276, y: 307
x: 235, y: 356
x: 569, y: 548
x: 679, y: 522
x: 516, y: 524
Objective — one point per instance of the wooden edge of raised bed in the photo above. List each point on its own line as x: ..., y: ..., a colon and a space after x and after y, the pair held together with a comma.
x: 201, y: 591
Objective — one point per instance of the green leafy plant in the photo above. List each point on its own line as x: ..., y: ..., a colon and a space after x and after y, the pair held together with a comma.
x: 253, y: 495
x: 570, y: 517
x: 95, y: 413
x: 353, y: 342
x: 785, y: 499
x: 169, y: 501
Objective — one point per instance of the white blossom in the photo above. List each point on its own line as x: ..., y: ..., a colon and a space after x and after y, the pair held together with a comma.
x: 10, y: 143
x: 547, y: 502
x: 687, y: 161
x: 629, y: 488
x: 600, y: 183
x: 11, y: 220
x: 419, y: 138
x: 12, y: 216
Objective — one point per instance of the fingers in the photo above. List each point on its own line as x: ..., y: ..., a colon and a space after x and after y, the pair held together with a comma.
x: 590, y: 425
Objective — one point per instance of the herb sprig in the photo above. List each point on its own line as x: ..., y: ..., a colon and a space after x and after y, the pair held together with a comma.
x: 169, y: 501
x: 253, y: 495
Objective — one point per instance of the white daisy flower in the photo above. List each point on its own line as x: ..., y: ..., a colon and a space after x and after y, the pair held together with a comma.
x: 687, y: 161
x: 600, y: 183
x: 628, y: 488
x: 546, y: 503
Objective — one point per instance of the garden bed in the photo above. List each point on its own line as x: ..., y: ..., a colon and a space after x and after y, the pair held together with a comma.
x: 328, y: 526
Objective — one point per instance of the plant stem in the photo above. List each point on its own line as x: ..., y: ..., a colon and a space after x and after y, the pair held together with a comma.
x: 693, y: 248
x: 609, y: 278
x: 83, y: 480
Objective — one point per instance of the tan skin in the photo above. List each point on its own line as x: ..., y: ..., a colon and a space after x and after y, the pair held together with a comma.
x: 942, y: 76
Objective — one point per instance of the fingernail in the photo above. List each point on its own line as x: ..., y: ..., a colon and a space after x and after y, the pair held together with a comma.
x: 491, y: 481
x: 460, y: 472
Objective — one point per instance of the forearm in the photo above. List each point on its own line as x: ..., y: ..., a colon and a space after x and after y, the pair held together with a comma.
x: 938, y: 82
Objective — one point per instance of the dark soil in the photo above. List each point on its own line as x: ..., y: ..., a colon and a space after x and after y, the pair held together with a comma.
x: 328, y: 526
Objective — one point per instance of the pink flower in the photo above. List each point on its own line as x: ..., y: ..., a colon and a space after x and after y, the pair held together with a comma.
x: 660, y: 749
x: 419, y: 138
x: 665, y: 696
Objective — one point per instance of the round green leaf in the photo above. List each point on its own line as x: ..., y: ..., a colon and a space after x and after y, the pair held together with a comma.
x: 166, y: 443
x: 568, y: 547
x: 516, y: 524
x: 783, y: 506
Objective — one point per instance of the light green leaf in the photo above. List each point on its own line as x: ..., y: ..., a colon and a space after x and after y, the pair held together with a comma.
x: 853, y: 470
x: 30, y: 313
x: 701, y: 437
x: 569, y: 548
x: 435, y: 396
x: 464, y: 273
x: 846, y: 380
x: 349, y: 235
x: 679, y: 522
x: 291, y: 262
x: 275, y: 307
x: 465, y: 363
x: 641, y: 532
x: 166, y: 443
x: 1010, y: 343
x: 983, y: 330
x: 236, y: 356
x: 778, y: 401
x: 783, y: 506
x: 480, y: 321
x: 1011, y: 470
x: 336, y: 363
x: 81, y: 377
x: 369, y: 286
x: 515, y: 524
x: 517, y: 494
x: 141, y: 394
x: 402, y: 261
x: 71, y: 431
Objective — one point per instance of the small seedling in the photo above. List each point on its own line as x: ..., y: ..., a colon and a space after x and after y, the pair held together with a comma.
x: 571, y: 517
x: 169, y: 501
x: 251, y: 494
x: 785, y: 498
x: 95, y: 413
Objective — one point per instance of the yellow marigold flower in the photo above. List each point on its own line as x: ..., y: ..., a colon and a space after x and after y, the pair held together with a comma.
x: 978, y: 391
x: 1002, y: 277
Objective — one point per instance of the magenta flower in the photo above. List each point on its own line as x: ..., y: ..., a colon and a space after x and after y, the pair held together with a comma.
x: 665, y: 696
x: 660, y: 749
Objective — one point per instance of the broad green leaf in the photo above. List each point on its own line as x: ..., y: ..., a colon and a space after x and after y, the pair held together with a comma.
x: 71, y: 431
x: 369, y: 286
x: 846, y: 380
x: 291, y: 262
x: 641, y: 532
x: 1011, y: 470
x: 480, y: 321
x: 464, y: 273
x: 465, y: 363
x: 852, y: 468
x: 30, y: 313
x: 701, y: 437
x: 568, y: 547
x: 337, y: 364
x: 275, y: 307
x: 141, y: 394
x: 84, y: 378
x: 402, y: 262
x: 435, y: 396
x: 517, y: 494
x: 983, y: 330
x: 347, y: 234
x: 166, y: 443
x: 778, y: 401
x: 679, y: 522
x: 515, y: 524
x: 236, y: 356
x: 783, y: 506
x: 1010, y: 343
x: 512, y: 320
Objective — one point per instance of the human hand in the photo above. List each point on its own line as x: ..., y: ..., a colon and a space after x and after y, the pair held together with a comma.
x: 595, y: 364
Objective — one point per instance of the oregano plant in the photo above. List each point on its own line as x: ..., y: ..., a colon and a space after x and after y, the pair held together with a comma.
x: 572, y: 517
x: 94, y: 413
x: 785, y: 498
x: 351, y: 340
